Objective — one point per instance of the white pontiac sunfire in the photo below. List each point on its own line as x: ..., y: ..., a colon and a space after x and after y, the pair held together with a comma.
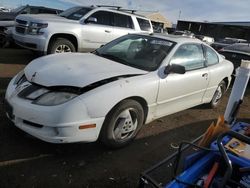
x: 110, y: 93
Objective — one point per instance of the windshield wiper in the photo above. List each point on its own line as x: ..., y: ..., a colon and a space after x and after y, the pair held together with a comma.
x: 95, y: 52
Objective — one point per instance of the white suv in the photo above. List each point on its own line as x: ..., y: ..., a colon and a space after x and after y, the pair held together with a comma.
x: 81, y: 29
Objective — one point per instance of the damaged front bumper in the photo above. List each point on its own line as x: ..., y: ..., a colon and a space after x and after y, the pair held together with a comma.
x: 55, y: 124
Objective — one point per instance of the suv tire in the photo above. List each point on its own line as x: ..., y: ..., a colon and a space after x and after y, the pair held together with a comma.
x: 61, y: 45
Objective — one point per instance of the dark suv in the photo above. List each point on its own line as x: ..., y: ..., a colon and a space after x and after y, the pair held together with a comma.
x: 7, y: 19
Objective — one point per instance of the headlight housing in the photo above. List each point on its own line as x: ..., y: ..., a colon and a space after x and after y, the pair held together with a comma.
x: 20, y: 78
x: 54, y: 98
x: 35, y: 28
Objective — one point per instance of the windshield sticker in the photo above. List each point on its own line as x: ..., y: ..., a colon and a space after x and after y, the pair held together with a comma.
x: 161, y: 42
x: 77, y: 15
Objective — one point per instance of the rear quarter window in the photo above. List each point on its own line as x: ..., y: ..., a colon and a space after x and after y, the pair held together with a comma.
x: 211, y: 56
x: 144, y: 24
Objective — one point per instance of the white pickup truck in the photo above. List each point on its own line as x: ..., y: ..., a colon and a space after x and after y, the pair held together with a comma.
x: 80, y: 29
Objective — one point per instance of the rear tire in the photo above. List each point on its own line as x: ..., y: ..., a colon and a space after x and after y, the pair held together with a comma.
x: 61, y: 45
x: 122, y: 124
x: 218, y: 95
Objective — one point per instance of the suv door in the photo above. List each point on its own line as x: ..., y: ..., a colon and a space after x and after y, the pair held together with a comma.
x: 181, y: 91
x: 123, y: 25
x: 98, y: 32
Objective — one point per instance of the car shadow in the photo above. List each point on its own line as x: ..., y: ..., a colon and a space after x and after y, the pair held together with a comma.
x: 100, y: 166
x: 21, y: 56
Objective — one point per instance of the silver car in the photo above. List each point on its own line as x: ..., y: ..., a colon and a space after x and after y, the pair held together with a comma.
x: 80, y: 29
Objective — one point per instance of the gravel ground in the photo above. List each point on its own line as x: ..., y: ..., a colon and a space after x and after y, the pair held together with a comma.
x: 28, y: 162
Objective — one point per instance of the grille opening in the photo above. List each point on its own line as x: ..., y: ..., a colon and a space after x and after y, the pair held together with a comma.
x: 20, y: 30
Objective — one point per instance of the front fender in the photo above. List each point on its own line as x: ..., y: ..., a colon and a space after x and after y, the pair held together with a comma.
x: 60, y: 29
x: 102, y: 99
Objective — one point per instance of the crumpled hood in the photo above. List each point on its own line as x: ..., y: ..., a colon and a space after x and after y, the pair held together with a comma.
x: 75, y: 69
x: 44, y: 18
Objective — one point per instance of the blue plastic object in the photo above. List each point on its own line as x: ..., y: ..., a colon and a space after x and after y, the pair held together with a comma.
x: 241, y: 161
x: 192, y: 173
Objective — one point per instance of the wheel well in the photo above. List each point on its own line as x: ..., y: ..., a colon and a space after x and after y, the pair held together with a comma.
x: 144, y: 105
x: 70, y: 37
x: 1, y: 29
x: 226, y: 81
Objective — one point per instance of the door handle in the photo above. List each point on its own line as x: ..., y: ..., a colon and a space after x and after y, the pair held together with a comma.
x: 107, y: 31
x: 205, y: 75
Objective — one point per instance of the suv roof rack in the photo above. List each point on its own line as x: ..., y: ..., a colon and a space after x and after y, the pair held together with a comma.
x: 110, y: 6
x: 118, y: 8
x: 128, y: 10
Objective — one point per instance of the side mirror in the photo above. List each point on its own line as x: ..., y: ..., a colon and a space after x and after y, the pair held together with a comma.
x: 91, y: 20
x: 174, y: 68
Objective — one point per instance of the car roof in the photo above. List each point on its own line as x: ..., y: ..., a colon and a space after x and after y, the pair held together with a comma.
x: 115, y: 10
x: 175, y: 38
x: 40, y: 7
x: 238, y: 47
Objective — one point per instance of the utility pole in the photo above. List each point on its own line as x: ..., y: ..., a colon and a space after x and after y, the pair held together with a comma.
x: 179, y: 15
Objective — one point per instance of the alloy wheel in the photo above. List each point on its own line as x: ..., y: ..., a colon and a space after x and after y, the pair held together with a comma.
x: 125, y: 124
x: 62, y: 49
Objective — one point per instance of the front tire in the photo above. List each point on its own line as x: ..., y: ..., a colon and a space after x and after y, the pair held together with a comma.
x: 61, y: 45
x: 218, y: 95
x: 122, y: 124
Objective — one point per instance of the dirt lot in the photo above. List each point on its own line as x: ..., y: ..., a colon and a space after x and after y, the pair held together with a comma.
x: 28, y: 162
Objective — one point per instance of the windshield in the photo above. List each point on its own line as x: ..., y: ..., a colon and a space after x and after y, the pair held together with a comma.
x: 18, y: 9
x: 75, y: 13
x: 142, y: 52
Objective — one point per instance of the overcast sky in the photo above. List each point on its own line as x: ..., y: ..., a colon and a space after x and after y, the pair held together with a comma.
x: 196, y: 10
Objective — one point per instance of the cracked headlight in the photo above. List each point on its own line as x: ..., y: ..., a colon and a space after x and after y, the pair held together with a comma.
x: 54, y: 98
x: 20, y: 78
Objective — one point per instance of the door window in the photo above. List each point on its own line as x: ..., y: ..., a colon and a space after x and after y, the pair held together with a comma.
x: 190, y: 56
x: 121, y: 20
x: 25, y: 11
x: 47, y: 11
x: 103, y: 18
x: 34, y: 10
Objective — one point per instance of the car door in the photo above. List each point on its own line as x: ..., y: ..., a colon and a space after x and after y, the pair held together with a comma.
x: 123, y: 25
x: 97, y: 30
x: 181, y: 91
x: 215, y: 69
